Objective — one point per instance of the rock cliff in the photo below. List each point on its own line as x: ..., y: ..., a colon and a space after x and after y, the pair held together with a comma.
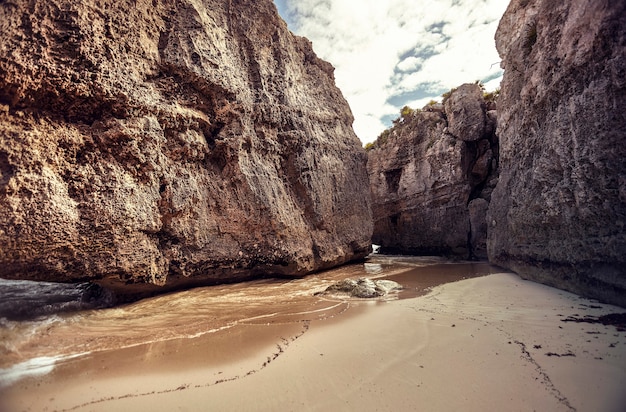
x: 431, y: 177
x: 558, y: 213
x: 168, y: 143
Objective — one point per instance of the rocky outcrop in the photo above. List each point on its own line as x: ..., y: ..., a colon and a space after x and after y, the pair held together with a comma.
x: 364, y: 288
x: 431, y: 176
x: 154, y: 143
x: 558, y: 213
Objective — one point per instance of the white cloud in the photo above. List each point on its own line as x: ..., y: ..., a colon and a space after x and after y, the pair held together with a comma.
x: 391, y: 53
x: 410, y: 64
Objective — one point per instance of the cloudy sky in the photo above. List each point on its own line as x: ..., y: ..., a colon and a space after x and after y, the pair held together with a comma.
x: 392, y: 53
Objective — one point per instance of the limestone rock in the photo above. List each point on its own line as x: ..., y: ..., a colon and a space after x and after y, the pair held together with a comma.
x: 364, y: 288
x: 477, y: 209
x: 558, y: 213
x: 422, y: 177
x: 154, y: 143
x: 465, y: 110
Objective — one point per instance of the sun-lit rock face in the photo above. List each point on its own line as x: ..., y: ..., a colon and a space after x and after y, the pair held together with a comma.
x: 169, y: 143
x: 558, y: 213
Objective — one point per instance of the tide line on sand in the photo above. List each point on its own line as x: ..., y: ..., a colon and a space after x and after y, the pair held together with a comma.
x: 487, y: 343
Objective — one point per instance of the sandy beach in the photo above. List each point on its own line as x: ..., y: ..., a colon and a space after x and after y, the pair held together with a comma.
x: 491, y: 343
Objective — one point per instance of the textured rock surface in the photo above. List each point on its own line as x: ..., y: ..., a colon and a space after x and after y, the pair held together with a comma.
x: 477, y: 210
x: 465, y: 111
x: 559, y: 210
x: 363, y: 288
x: 169, y: 143
x: 431, y: 165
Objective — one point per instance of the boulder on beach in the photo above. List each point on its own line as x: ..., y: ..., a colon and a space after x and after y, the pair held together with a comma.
x: 364, y: 287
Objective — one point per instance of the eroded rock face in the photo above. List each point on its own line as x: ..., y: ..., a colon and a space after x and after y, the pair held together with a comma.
x: 558, y: 213
x: 424, y: 175
x: 465, y: 111
x: 169, y: 143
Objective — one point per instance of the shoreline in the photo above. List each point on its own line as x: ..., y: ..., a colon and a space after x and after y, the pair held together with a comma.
x: 195, y: 312
x: 490, y: 343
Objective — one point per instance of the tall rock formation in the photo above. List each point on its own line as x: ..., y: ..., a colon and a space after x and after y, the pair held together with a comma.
x: 431, y: 177
x: 558, y: 213
x: 168, y: 143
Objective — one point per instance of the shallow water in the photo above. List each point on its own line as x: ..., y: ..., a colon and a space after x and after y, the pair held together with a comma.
x: 30, y: 347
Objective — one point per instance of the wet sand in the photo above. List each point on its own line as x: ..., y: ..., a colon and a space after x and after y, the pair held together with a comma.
x: 488, y: 343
